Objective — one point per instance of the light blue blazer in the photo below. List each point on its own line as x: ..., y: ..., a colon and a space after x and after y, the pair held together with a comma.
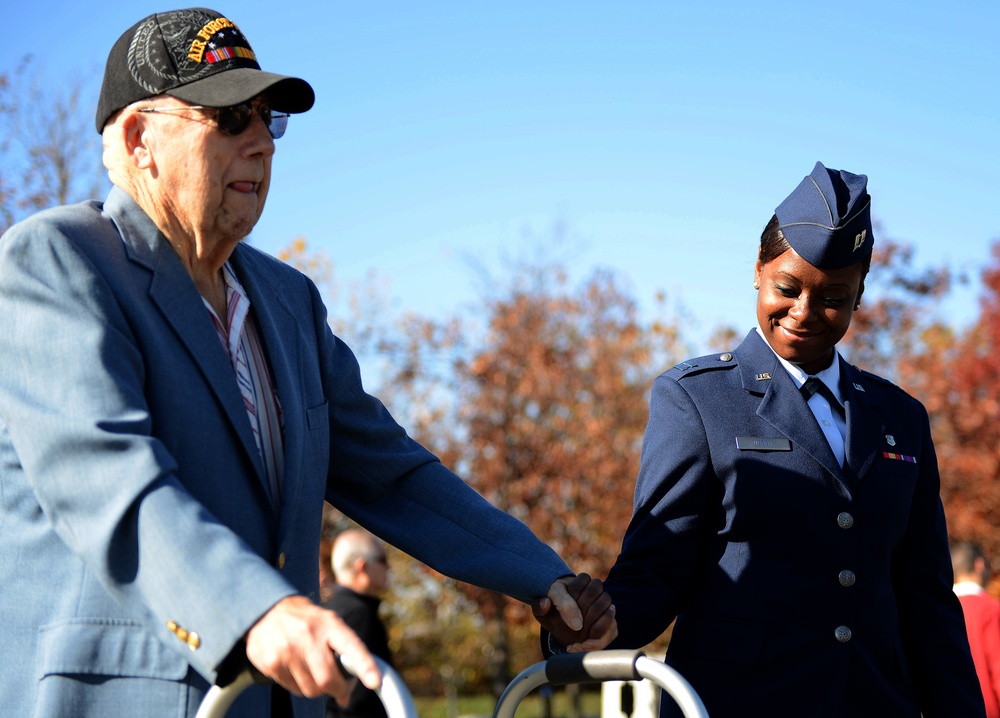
x: 138, y: 537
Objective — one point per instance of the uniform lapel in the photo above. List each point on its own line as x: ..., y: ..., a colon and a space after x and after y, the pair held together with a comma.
x: 782, y: 405
x: 864, y: 424
x: 173, y: 292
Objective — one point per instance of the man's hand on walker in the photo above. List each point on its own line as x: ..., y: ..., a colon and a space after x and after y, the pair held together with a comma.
x: 294, y: 644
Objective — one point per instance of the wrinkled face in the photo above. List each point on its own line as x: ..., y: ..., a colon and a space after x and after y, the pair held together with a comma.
x: 804, y: 311
x: 208, y: 183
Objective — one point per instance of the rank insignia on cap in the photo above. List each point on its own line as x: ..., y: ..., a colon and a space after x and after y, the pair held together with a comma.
x: 827, y: 218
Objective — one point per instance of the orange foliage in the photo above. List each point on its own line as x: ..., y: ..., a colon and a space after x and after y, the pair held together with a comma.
x: 553, y: 407
x: 958, y: 378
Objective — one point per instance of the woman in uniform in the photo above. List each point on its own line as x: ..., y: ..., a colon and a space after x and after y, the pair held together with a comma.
x: 787, y: 510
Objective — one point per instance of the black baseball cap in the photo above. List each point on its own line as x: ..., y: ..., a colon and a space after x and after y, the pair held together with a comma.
x: 198, y: 56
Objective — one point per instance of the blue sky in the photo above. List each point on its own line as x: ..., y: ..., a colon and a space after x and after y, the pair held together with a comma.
x: 661, y: 135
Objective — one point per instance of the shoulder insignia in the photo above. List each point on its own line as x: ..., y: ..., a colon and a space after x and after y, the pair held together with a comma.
x: 692, y: 367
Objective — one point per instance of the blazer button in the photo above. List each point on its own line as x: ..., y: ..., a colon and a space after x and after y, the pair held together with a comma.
x: 842, y: 634
x: 193, y: 641
x: 847, y: 578
x: 845, y: 520
x: 281, y: 560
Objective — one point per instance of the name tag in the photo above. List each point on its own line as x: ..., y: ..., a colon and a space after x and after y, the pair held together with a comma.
x: 763, y: 443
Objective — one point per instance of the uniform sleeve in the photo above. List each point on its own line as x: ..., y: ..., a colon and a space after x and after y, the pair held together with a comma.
x: 394, y: 487
x: 72, y: 406
x: 674, y: 493
x: 932, y: 626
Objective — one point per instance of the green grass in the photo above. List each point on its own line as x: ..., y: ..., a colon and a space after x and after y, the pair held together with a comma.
x: 530, y: 707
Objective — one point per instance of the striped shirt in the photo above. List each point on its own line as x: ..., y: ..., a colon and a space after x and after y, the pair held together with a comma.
x: 253, y: 376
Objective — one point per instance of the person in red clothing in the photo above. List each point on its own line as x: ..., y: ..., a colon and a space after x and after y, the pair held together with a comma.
x: 982, y: 619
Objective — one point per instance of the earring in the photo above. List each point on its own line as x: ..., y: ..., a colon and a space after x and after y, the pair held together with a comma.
x: 756, y: 285
x: 857, y: 306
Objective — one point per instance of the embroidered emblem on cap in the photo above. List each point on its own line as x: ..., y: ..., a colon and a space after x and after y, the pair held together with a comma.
x: 151, y: 62
x: 228, y: 43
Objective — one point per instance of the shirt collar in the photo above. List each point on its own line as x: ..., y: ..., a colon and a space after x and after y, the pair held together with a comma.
x: 232, y: 283
x: 968, y: 588
x: 829, y: 376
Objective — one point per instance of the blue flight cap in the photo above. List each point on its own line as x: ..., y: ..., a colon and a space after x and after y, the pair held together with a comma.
x: 827, y: 219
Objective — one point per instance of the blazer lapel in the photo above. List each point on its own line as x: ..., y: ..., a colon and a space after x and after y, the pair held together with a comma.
x: 173, y: 292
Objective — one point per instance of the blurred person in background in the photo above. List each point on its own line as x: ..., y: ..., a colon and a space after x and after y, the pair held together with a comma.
x: 982, y: 618
x: 361, y: 574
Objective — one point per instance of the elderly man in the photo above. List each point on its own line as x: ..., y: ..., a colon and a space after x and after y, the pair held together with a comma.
x: 174, y: 409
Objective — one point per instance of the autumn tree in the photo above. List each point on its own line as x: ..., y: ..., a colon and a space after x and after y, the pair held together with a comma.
x: 49, y: 150
x: 957, y: 375
x: 543, y: 407
x: 541, y: 404
x: 896, y: 309
x: 551, y: 407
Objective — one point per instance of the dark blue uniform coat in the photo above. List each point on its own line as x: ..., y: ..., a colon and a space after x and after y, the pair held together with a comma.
x: 800, y: 588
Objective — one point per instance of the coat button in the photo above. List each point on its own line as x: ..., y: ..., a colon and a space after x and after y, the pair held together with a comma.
x: 842, y: 634
x: 726, y: 357
x: 193, y: 641
x: 847, y: 578
x: 281, y: 560
x: 845, y: 520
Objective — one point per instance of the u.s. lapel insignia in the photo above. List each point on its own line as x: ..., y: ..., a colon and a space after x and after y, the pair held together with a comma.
x: 890, y: 440
x: 763, y: 377
x: 858, y: 387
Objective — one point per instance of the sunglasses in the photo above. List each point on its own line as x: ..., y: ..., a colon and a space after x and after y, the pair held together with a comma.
x: 235, y: 119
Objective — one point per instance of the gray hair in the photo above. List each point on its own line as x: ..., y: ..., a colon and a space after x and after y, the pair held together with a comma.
x: 351, y: 545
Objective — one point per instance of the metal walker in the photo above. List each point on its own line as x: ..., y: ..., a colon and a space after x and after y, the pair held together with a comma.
x: 561, y: 670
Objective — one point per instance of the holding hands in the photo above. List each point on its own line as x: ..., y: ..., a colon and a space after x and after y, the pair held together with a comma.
x: 584, y: 616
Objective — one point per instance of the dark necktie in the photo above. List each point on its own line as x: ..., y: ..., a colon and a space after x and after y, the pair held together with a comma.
x: 814, y: 385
